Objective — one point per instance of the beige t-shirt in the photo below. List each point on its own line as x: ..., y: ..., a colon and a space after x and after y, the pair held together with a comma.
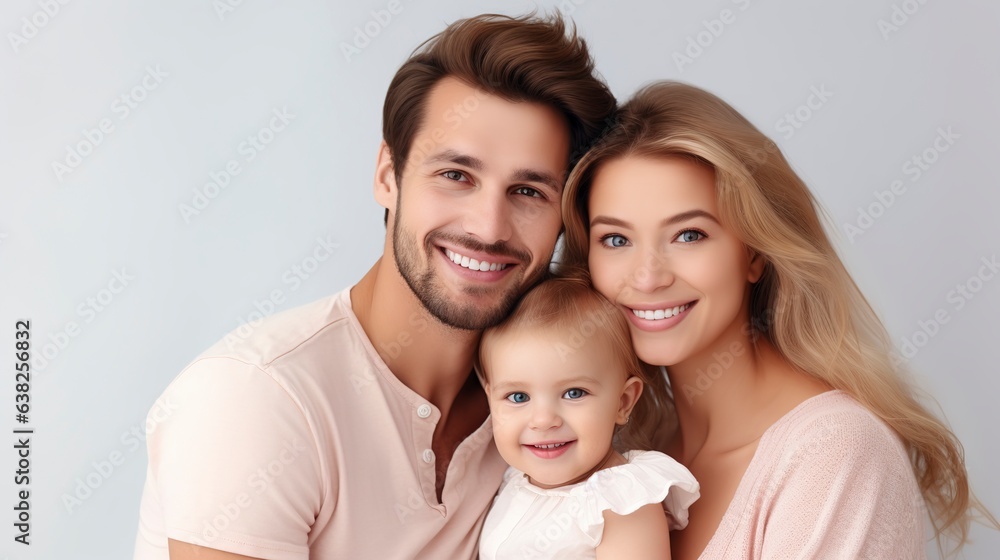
x: 828, y: 480
x: 299, y: 442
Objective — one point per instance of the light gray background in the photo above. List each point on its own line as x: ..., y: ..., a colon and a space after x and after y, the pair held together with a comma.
x: 61, y: 241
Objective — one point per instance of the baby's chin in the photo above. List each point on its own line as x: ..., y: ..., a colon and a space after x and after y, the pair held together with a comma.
x: 548, y: 482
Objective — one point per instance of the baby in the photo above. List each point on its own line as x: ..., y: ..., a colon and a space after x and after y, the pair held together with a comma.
x: 564, y: 386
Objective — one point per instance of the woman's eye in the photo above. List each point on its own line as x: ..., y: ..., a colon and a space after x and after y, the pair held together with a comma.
x: 454, y: 175
x: 528, y: 191
x: 614, y: 240
x: 574, y: 393
x: 690, y: 236
x: 517, y: 397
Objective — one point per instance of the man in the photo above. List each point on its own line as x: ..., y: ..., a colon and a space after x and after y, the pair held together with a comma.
x: 351, y: 427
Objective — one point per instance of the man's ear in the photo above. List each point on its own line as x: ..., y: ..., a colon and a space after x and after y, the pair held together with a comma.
x: 386, y: 189
x: 630, y: 396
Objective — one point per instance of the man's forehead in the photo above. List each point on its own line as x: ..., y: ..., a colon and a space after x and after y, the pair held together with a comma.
x: 465, y: 126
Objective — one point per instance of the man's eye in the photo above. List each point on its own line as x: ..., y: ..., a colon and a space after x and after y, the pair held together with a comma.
x: 574, y: 393
x: 517, y: 397
x: 454, y: 175
x: 528, y: 191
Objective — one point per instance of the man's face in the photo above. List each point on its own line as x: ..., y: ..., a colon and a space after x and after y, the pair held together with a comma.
x: 476, y: 214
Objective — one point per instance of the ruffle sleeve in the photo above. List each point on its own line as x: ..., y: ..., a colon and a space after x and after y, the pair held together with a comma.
x: 649, y: 477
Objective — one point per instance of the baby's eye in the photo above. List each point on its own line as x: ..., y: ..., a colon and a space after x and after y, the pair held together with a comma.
x: 574, y: 393
x: 517, y: 397
x: 690, y: 236
x: 614, y: 240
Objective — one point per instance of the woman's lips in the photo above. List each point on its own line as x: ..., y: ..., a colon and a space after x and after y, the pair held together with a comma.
x: 659, y: 319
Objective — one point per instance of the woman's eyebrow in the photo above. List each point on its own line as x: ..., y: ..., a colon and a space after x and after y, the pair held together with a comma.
x: 675, y: 219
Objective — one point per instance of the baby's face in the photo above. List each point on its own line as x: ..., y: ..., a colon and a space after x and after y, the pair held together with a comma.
x: 554, y: 406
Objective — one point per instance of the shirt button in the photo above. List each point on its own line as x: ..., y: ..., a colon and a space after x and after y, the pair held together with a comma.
x: 428, y: 456
x: 424, y: 410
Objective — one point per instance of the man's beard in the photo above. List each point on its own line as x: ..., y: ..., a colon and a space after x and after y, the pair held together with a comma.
x: 434, y: 297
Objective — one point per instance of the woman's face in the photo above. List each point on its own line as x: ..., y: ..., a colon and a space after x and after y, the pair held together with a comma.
x: 658, y: 250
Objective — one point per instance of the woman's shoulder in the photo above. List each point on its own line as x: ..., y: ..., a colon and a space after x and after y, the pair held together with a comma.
x: 829, y: 416
x: 833, y: 429
x: 831, y: 473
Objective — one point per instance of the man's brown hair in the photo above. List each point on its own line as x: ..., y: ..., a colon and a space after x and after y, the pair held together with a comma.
x: 519, y: 59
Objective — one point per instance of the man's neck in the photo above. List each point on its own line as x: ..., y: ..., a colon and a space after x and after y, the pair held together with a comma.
x: 430, y: 358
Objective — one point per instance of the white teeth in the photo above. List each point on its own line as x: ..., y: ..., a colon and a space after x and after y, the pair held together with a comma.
x: 550, y: 445
x: 656, y: 315
x: 473, y: 264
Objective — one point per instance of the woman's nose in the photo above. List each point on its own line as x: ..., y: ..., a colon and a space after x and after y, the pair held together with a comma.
x: 651, y: 271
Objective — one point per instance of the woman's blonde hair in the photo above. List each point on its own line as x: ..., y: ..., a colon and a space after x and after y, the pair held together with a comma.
x: 579, y: 316
x: 806, y: 303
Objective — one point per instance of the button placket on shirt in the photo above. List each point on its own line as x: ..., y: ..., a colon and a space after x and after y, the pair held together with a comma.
x: 423, y: 434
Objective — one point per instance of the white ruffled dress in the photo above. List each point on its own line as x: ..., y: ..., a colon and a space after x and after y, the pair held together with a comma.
x: 528, y: 522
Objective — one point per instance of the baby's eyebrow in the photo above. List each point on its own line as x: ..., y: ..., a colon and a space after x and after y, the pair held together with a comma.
x: 582, y: 379
x: 507, y: 386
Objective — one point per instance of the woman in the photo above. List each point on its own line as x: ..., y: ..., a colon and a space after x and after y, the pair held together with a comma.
x: 789, y: 408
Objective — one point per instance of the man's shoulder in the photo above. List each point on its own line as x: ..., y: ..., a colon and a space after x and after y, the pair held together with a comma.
x: 275, y: 363
x: 262, y: 342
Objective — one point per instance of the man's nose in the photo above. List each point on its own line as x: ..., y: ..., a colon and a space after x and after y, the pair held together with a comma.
x: 489, y: 215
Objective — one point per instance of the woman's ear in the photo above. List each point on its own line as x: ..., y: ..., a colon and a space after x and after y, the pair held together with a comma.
x: 386, y: 189
x: 756, y: 269
x: 630, y: 395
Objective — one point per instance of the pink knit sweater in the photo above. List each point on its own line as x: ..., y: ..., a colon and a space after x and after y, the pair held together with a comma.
x: 828, y: 480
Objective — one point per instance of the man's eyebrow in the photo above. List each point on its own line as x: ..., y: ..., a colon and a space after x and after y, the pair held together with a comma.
x: 458, y: 158
x: 534, y: 176
x: 675, y: 219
